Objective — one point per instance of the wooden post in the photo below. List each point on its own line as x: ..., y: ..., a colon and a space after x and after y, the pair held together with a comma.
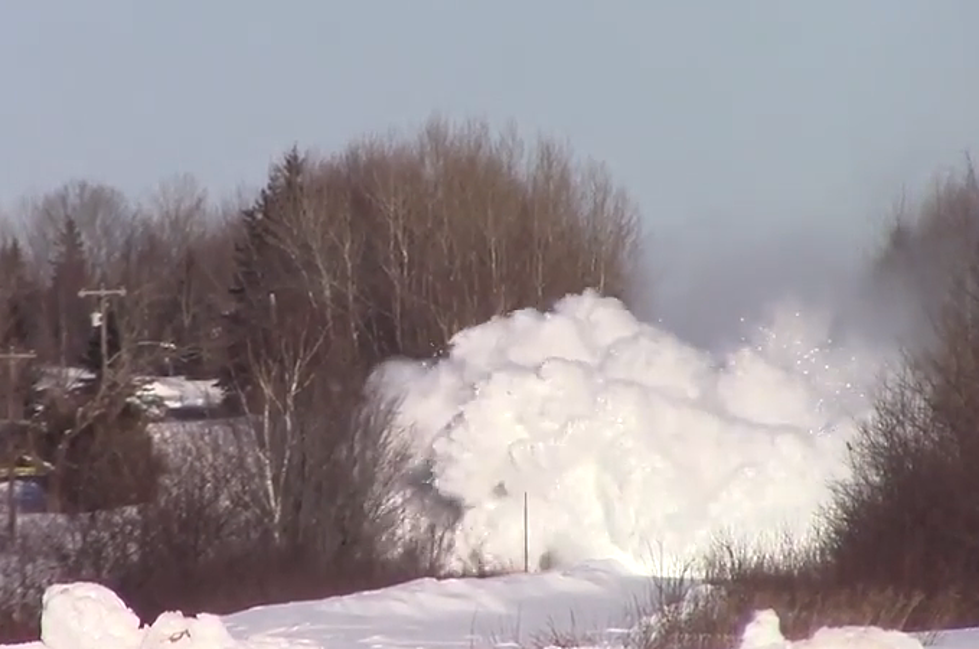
x: 103, y: 294
x: 13, y: 357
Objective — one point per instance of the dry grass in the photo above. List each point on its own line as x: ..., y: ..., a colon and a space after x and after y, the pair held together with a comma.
x: 713, y: 611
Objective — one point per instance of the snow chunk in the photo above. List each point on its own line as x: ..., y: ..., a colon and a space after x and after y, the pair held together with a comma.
x: 87, y: 616
x: 764, y: 630
x: 174, y: 630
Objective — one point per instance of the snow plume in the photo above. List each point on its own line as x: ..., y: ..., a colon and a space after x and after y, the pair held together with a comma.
x: 709, y: 283
x: 626, y: 442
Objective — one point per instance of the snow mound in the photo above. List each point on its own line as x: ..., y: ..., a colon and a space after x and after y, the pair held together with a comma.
x: 86, y: 616
x: 626, y: 442
x: 89, y: 616
x: 763, y: 633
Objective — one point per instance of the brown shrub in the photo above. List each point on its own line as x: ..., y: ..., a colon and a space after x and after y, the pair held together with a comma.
x: 205, y: 543
x: 905, y: 518
x: 712, y: 610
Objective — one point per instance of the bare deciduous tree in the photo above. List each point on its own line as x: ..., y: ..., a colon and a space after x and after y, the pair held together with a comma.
x: 104, y: 216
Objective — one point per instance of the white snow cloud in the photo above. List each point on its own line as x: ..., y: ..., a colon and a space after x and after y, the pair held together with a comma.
x: 629, y: 443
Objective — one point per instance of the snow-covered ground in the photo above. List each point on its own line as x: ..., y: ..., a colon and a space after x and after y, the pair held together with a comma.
x: 179, y: 392
x: 172, y: 392
x: 594, y: 603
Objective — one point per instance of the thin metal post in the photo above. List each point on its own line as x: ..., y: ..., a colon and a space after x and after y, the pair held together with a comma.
x: 526, y: 535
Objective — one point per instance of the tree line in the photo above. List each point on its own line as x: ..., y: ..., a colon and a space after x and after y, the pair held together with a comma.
x: 290, y: 299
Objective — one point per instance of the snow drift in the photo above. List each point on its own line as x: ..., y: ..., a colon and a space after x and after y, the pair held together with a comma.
x: 628, y: 443
x: 763, y: 632
x: 89, y: 616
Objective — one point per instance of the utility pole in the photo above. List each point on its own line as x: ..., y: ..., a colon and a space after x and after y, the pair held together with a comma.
x: 103, y: 294
x: 13, y: 418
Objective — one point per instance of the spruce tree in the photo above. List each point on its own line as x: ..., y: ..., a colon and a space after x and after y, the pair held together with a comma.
x: 18, y: 321
x: 19, y: 296
x: 262, y: 268
x: 69, y: 313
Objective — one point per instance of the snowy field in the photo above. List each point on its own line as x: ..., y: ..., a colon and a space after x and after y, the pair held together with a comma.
x: 593, y: 602
x: 634, y: 451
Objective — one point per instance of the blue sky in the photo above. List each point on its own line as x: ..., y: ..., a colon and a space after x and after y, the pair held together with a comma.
x: 734, y: 119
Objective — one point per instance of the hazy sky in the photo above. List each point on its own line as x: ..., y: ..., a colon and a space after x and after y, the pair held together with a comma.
x: 718, y: 116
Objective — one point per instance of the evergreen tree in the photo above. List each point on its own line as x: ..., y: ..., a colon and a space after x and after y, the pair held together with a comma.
x: 18, y: 320
x: 262, y: 269
x: 69, y: 313
x: 18, y: 297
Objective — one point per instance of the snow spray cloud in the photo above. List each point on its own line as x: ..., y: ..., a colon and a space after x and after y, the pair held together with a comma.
x: 710, y: 285
x: 628, y: 442
x: 725, y: 413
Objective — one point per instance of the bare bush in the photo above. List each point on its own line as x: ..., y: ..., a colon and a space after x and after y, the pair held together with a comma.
x: 205, y: 543
x: 328, y: 480
x: 192, y: 546
x: 713, y: 610
x: 906, y: 518
x: 91, y: 434
x: 198, y: 532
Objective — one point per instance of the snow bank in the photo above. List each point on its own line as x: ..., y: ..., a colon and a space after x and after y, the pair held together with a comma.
x: 628, y: 443
x: 425, y: 613
x: 763, y: 633
x: 594, y: 602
